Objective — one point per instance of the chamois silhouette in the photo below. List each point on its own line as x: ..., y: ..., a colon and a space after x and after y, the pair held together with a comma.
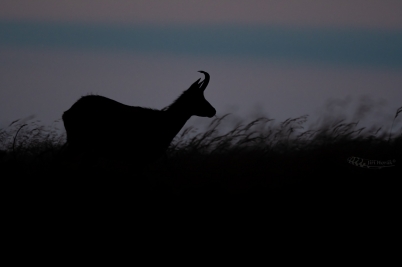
x: 102, y: 127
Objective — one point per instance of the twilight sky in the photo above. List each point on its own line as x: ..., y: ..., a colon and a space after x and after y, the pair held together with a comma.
x: 283, y: 58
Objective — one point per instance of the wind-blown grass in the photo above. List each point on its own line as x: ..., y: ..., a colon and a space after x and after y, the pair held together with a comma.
x: 26, y: 140
x: 256, y: 156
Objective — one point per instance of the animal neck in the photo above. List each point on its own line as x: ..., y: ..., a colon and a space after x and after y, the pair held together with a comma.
x: 176, y: 119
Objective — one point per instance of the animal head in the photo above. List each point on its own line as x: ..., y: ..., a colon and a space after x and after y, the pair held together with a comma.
x: 195, y: 101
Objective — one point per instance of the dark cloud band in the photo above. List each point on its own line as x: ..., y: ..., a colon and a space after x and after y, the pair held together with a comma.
x: 333, y: 46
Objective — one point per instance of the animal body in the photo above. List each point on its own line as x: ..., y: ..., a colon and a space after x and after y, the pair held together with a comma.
x: 103, y: 127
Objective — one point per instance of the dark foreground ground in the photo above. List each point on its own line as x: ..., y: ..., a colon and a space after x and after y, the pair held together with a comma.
x: 260, y: 164
x: 236, y: 172
x: 324, y: 187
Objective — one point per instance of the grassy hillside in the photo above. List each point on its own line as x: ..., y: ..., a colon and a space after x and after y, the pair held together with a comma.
x: 257, y: 157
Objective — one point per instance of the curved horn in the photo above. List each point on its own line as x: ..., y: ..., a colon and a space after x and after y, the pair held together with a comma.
x: 206, y: 80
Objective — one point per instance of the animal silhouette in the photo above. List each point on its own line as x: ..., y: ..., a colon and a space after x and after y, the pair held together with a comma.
x: 102, y: 127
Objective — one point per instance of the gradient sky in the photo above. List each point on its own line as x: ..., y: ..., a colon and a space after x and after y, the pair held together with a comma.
x: 280, y: 58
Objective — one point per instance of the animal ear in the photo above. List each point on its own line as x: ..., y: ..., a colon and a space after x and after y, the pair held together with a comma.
x: 195, y: 84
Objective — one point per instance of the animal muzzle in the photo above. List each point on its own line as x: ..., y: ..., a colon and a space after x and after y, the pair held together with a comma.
x: 211, y: 112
